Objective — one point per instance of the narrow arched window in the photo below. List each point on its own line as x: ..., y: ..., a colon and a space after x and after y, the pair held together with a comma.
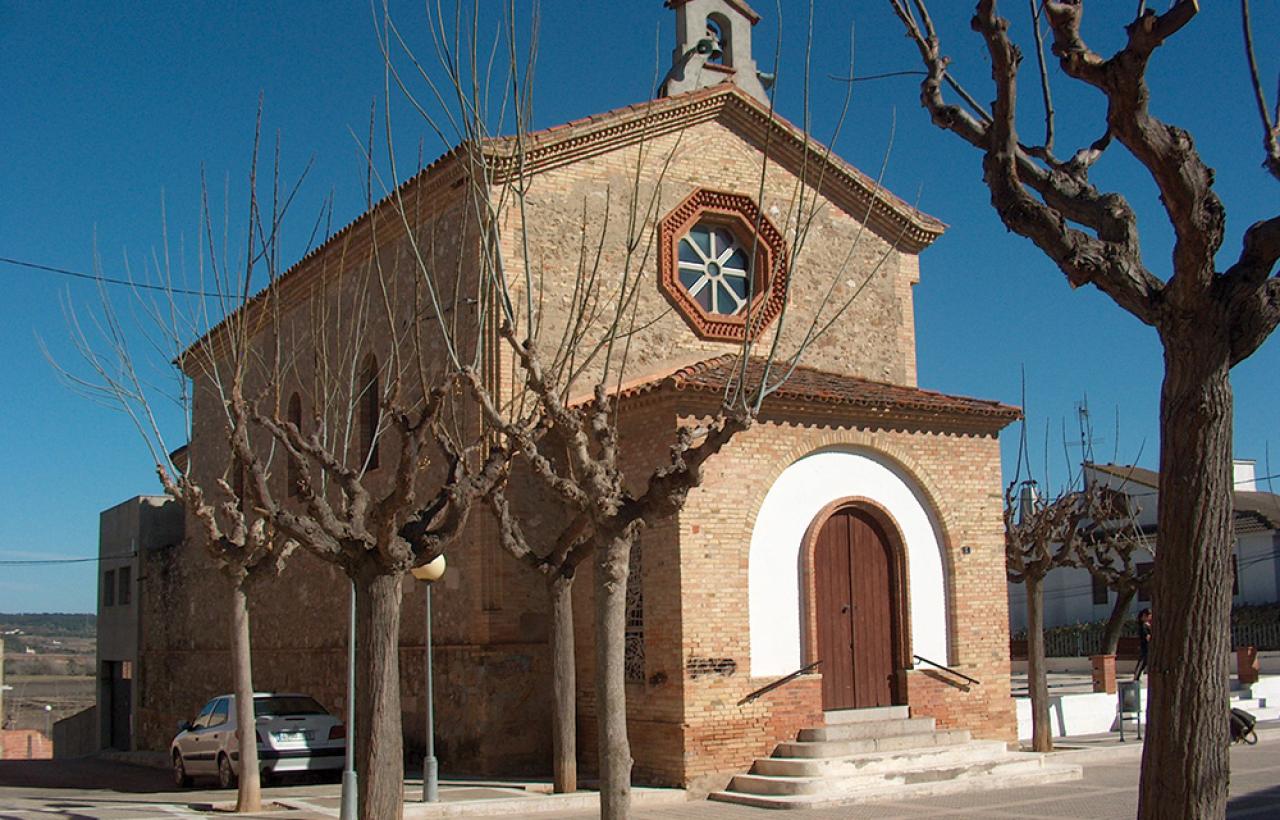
x: 368, y: 411
x: 294, y: 472
x: 633, y: 656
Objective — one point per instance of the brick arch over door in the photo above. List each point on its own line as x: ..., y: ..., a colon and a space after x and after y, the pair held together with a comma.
x: 869, y: 642
x: 780, y: 630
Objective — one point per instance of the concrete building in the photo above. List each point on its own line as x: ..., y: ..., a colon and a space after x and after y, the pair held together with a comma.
x: 127, y: 534
x: 1072, y: 596
x: 858, y: 523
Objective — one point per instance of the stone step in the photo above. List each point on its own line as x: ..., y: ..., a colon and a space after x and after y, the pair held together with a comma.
x: 838, y: 716
x: 844, y: 748
x: 868, y: 728
x: 1008, y: 764
x: 867, y: 763
x: 991, y: 778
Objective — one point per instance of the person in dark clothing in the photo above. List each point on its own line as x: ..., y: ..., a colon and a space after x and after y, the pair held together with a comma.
x: 1144, y: 642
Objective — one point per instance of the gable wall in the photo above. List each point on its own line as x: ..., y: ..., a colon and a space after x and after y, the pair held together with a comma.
x: 875, y: 337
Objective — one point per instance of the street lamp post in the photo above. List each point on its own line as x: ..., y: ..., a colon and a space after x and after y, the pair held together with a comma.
x: 429, y: 573
x: 347, y: 808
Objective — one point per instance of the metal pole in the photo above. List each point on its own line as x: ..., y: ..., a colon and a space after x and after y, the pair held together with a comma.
x: 348, y: 807
x: 430, y: 767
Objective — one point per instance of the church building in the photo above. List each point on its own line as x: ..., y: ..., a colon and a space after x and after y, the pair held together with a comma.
x: 844, y: 553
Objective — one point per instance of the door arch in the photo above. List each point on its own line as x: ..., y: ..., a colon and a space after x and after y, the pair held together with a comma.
x: 857, y: 607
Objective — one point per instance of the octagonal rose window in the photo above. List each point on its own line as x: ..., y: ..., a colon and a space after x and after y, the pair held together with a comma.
x: 715, y: 269
x: 723, y: 265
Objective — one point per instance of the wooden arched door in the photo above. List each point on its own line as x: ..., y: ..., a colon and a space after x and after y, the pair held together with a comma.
x: 857, y: 585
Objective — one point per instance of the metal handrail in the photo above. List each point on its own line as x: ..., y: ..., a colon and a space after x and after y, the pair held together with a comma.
x: 974, y: 681
x: 783, y: 681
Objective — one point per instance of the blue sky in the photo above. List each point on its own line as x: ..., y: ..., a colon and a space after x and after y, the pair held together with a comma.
x: 107, y: 107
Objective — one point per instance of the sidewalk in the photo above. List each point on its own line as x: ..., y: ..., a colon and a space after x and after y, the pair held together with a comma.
x: 484, y: 798
x: 481, y: 798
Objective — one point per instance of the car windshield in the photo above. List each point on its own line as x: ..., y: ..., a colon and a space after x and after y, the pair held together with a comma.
x: 279, y: 705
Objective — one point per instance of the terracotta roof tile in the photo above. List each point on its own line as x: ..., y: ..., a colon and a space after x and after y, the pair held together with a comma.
x: 810, y: 385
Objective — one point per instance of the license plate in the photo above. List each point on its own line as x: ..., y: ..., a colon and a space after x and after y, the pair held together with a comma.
x: 293, y: 737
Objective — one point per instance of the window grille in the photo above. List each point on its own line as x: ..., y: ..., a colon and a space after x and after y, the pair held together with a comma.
x: 634, y: 659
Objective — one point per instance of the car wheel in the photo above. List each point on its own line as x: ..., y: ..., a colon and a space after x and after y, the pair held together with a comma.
x: 226, y: 776
x: 180, y: 777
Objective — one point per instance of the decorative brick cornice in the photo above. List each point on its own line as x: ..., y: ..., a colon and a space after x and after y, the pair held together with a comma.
x: 754, y: 231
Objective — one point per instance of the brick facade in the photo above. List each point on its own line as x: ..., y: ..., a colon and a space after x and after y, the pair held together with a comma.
x: 490, y: 623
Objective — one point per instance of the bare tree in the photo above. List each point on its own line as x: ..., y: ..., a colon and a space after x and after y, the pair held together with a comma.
x: 1208, y: 321
x: 1270, y: 118
x: 1040, y: 536
x: 320, y: 411
x: 1110, y: 551
x: 568, y: 336
x: 241, y: 542
x: 386, y: 467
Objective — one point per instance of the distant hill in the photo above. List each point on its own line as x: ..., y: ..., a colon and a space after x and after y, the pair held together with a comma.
x: 51, y: 624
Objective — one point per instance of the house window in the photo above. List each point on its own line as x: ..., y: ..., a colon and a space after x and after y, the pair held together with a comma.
x: 126, y: 586
x: 1144, y: 591
x: 294, y: 470
x: 1235, y: 577
x: 634, y: 657
x: 109, y: 588
x: 1099, y: 591
x: 715, y: 269
x: 367, y: 406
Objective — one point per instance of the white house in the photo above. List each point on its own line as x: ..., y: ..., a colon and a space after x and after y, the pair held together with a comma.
x: 1072, y: 595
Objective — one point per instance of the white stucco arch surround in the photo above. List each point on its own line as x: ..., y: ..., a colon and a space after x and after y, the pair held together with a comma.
x: 790, y: 506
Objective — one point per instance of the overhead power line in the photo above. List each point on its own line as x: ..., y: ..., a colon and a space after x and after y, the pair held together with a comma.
x: 107, y: 280
x: 46, y: 561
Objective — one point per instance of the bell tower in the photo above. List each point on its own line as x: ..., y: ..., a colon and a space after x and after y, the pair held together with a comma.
x: 713, y: 45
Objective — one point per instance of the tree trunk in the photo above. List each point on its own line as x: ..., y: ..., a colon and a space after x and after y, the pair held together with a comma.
x: 564, y: 716
x: 1184, y: 760
x: 611, y: 697
x: 1037, y: 683
x: 1115, y: 623
x: 379, y: 744
x: 249, y: 797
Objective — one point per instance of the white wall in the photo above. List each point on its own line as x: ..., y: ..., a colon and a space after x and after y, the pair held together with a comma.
x: 1068, y: 592
x: 1258, y: 568
x: 792, y: 503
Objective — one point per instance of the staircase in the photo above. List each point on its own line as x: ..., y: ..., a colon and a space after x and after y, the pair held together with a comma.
x: 863, y: 755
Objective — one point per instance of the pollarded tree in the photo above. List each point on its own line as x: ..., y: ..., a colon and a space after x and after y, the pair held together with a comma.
x: 569, y: 291
x: 1208, y: 319
x: 383, y: 465
x: 1110, y: 552
x: 320, y: 412
x: 211, y: 486
x: 1041, y: 535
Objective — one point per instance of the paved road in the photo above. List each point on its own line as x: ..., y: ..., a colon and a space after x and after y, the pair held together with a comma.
x: 103, y: 790
x: 1107, y: 791
x: 108, y: 790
